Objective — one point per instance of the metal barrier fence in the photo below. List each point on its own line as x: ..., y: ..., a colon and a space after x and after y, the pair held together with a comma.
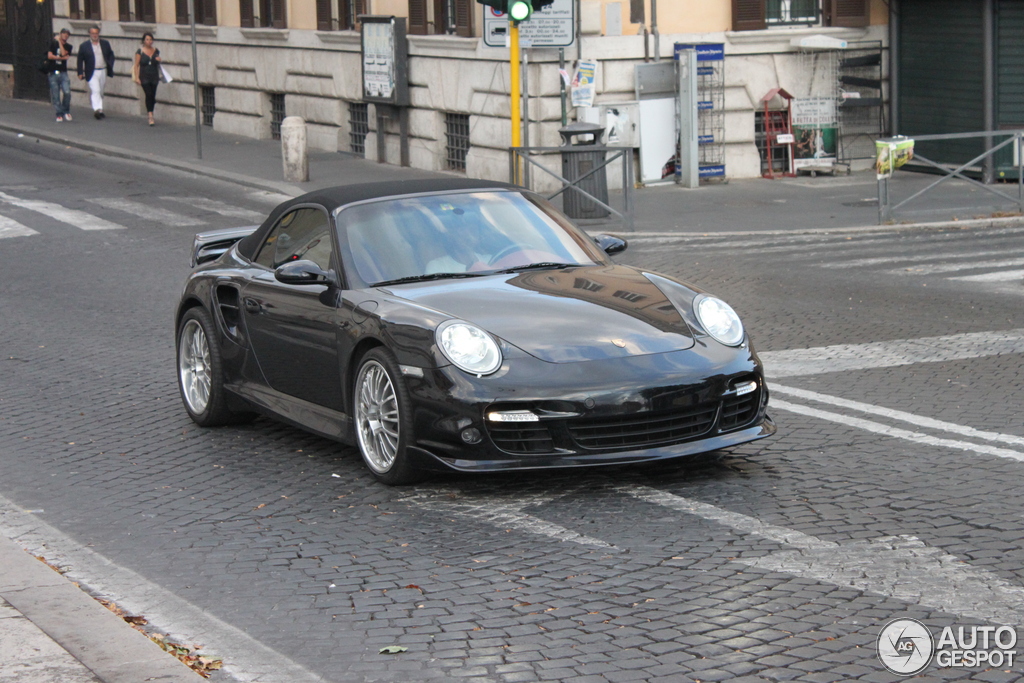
x: 519, y: 173
x: 1013, y: 137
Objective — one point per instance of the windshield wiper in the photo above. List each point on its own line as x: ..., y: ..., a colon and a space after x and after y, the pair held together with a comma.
x: 429, y: 276
x: 542, y: 264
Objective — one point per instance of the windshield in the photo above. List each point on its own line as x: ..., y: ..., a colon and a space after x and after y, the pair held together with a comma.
x: 458, y: 235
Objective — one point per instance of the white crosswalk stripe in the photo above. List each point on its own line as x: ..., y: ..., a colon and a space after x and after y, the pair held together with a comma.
x: 954, y: 267
x: 147, y: 211
x: 998, y: 276
x: 12, y: 228
x: 73, y: 217
x: 222, y: 208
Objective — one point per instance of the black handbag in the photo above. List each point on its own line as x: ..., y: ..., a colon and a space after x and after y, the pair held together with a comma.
x: 44, y: 66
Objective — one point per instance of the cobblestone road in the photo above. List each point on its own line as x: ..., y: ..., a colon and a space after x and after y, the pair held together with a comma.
x: 779, y: 560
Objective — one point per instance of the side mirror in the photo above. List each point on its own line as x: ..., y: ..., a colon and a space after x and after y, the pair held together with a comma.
x: 303, y: 273
x: 611, y: 244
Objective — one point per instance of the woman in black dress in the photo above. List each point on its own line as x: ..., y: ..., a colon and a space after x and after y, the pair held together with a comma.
x: 147, y: 68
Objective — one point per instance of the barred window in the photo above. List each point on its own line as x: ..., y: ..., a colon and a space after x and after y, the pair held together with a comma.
x: 276, y: 114
x: 209, y: 107
x: 456, y: 140
x: 359, y: 127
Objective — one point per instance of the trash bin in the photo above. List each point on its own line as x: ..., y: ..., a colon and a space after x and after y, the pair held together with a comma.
x: 578, y: 161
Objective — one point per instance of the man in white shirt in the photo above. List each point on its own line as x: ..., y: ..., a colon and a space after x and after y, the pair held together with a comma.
x: 95, y: 63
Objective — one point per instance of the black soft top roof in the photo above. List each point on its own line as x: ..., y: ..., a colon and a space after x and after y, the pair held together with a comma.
x: 333, y: 197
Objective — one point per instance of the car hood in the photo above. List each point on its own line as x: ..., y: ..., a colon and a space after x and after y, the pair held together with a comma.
x: 563, y: 315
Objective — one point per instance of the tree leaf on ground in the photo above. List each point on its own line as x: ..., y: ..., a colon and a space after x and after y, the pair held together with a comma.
x: 392, y: 650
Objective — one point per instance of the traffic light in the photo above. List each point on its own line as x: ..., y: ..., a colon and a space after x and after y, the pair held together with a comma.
x: 517, y: 10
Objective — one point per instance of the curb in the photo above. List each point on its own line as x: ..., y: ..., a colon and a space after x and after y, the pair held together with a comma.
x: 188, y: 167
x: 111, y: 649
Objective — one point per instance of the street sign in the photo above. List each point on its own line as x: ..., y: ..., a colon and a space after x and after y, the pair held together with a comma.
x: 553, y: 26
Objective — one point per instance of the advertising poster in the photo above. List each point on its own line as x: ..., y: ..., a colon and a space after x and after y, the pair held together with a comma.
x: 891, y: 154
x: 815, y: 131
x: 378, y: 60
x: 583, y: 83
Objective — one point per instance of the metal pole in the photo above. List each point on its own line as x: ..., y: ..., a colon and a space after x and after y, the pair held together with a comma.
x: 689, y: 156
x: 894, y: 70
x: 989, y: 83
x: 199, y: 122
x: 513, y: 64
x: 195, y: 79
x: 526, y: 111
x: 561, y: 82
x: 654, y: 30
x: 579, y: 31
x: 1020, y: 171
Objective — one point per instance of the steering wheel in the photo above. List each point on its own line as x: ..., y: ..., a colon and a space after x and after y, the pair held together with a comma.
x: 510, y: 249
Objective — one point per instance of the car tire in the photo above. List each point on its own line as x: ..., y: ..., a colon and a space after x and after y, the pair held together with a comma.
x: 201, y: 372
x: 382, y: 414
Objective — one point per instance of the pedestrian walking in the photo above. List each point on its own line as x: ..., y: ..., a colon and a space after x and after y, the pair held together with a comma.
x: 95, y: 63
x: 146, y: 71
x: 60, y: 85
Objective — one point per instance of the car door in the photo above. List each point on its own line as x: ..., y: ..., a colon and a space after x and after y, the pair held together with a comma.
x: 293, y: 328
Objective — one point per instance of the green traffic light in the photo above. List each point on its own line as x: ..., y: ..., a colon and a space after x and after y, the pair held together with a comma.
x: 520, y: 10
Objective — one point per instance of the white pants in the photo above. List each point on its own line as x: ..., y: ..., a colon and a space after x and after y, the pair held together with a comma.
x: 96, y: 85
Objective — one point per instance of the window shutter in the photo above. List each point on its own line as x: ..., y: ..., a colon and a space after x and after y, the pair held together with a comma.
x: 464, y: 17
x: 323, y: 15
x: 417, y: 17
x: 124, y: 12
x: 851, y: 13
x: 277, y: 10
x: 73, y: 11
x: 748, y: 15
x: 206, y: 11
x: 92, y: 10
x: 245, y: 13
x: 181, y: 11
x: 145, y: 10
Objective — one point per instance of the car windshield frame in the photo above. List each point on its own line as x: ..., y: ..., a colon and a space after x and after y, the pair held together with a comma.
x: 431, y: 221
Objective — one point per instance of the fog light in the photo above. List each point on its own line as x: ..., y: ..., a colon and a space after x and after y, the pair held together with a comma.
x: 512, y: 416
x: 745, y: 388
x: 471, y: 435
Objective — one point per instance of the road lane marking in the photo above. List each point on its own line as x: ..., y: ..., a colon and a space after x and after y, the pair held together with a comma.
x: 507, y: 515
x: 146, y: 212
x: 913, y: 269
x: 844, y: 357
x: 896, y: 432
x: 900, y: 567
x: 222, y: 208
x: 919, y: 420
x: 881, y: 260
x: 12, y: 228
x: 246, y: 659
x: 73, y: 217
x: 1002, y: 276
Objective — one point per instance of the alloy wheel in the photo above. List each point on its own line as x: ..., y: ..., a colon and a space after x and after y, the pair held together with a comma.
x: 194, y: 366
x: 377, y: 417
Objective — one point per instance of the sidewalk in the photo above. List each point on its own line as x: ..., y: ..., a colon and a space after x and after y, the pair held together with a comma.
x: 801, y: 204
x: 53, y: 632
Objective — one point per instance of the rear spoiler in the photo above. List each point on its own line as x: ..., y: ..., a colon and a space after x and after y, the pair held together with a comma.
x: 208, y: 246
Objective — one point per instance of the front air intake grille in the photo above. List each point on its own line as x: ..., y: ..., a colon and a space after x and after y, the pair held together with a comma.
x: 643, y: 429
x: 523, y: 438
x: 737, y: 411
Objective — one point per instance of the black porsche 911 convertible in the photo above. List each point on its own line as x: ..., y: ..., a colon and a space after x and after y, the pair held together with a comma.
x: 461, y: 325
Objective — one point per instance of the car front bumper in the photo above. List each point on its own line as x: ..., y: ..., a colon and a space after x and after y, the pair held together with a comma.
x: 628, y: 410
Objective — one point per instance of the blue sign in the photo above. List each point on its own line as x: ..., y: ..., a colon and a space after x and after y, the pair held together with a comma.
x: 706, y: 52
x: 705, y: 139
x: 712, y: 171
x: 705, y: 104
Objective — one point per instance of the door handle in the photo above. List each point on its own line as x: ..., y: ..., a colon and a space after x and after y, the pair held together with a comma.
x: 252, y: 305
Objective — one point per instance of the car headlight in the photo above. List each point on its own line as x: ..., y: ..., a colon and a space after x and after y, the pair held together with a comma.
x: 719, y: 320
x: 468, y: 347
